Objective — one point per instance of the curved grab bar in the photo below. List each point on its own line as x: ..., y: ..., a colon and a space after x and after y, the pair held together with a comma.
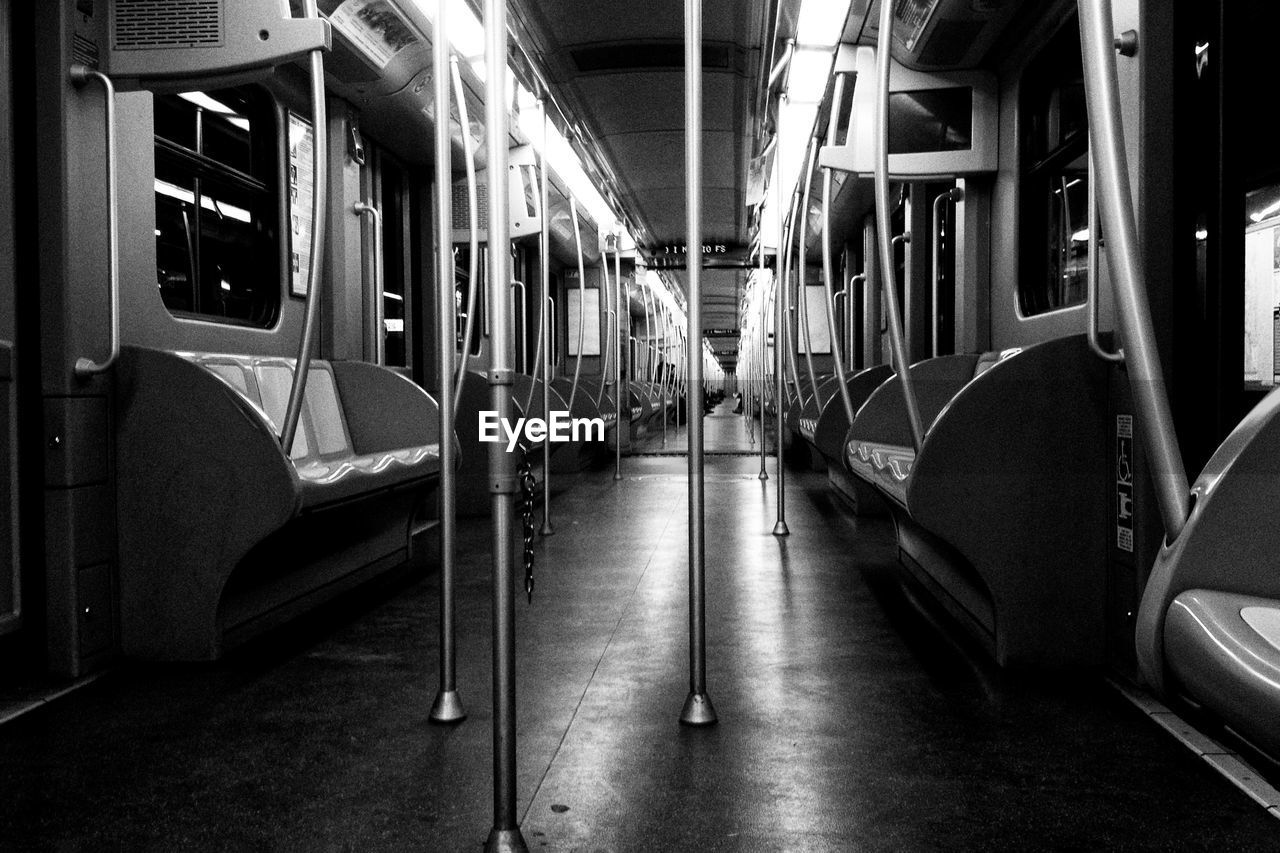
x: 604, y: 293
x: 616, y: 340
x: 80, y: 76
x: 582, y: 299
x: 800, y: 226
x: 320, y: 198
x: 1151, y: 399
x: 828, y: 275
x: 790, y: 309
x: 851, y: 334
x: 473, y: 222
x: 649, y: 323
x: 610, y: 320
x: 361, y: 208
x: 1095, y: 244
x: 883, y: 41
x: 954, y: 194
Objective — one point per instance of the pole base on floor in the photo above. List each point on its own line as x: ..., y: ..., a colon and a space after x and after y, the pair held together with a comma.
x: 764, y: 475
x: 698, y: 711
x: 780, y: 529
x: 616, y: 476
x: 447, y: 708
x: 547, y: 529
x: 505, y: 841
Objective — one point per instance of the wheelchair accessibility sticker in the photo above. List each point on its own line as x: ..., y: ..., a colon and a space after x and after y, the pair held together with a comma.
x: 1124, y: 482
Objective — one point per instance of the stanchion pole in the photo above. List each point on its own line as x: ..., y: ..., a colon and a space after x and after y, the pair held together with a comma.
x: 697, y: 710
x: 447, y: 707
x: 505, y: 835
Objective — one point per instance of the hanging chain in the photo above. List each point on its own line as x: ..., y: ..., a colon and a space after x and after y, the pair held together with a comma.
x: 527, y: 485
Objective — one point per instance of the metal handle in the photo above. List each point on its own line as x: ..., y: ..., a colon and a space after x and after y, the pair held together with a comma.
x: 473, y: 223
x: 320, y: 196
x: 524, y: 326
x: 361, y: 208
x: 954, y: 194
x: 850, y: 333
x: 80, y: 76
x: 883, y: 41
x: 1106, y: 136
x: 1095, y: 245
x: 609, y: 316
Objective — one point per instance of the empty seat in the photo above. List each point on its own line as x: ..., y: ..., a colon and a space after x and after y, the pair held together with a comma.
x: 1208, y: 627
x: 1003, y: 513
x: 221, y: 534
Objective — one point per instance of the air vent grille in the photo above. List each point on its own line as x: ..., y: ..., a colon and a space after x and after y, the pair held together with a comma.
x: 163, y: 24
x: 461, y: 210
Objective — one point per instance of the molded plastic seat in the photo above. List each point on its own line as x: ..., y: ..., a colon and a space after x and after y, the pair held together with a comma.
x: 1224, y: 649
x: 1001, y: 513
x: 223, y: 534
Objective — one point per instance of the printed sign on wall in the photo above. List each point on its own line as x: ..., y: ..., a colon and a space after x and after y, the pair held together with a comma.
x: 301, y: 201
x: 1124, y: 482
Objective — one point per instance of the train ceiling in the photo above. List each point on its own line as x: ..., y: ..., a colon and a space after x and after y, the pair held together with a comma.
x: 618, y: 68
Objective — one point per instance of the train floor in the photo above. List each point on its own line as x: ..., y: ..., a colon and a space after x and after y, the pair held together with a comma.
x: 849, y: 718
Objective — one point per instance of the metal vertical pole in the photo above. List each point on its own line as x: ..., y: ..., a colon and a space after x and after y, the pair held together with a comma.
x: 764, y: 357
x: 1142, y: 355
x: 617, y: 348
x: 545, y: 303
x: 505, y: 834
x: 698, y: 710
x: 447, y: 707
x: 781, y: 339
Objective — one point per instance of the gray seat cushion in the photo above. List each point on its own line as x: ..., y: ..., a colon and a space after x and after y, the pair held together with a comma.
x: 1224, y: 650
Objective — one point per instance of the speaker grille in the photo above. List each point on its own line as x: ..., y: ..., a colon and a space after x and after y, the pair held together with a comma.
x: 461, y: 210
x: 161, y: 24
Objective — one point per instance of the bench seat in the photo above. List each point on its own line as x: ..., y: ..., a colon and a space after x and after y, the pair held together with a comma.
x: 1001, y: 514
x: 223, y: 535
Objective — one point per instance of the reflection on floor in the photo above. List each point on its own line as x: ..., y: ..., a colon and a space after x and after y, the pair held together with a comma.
x: 848, y: 720
x: 723, y: 432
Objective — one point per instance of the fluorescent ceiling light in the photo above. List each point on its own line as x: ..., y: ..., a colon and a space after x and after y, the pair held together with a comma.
x: 200, y: 99
x: 821, y: 22
x: 466, y: 32
x: 807, y: 81
x: 207, y: 203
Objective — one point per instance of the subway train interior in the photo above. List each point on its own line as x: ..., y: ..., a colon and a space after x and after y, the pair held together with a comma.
x: 616, y: 425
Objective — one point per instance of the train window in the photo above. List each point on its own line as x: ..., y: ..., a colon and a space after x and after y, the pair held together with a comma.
x: 462, y: 285
x: 1261, y: 287
x: 1055, y: 180
x: 217, y: 207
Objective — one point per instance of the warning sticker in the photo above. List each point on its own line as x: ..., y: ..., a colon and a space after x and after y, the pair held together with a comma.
x: 375, y: 27
x: 1124, y: 482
